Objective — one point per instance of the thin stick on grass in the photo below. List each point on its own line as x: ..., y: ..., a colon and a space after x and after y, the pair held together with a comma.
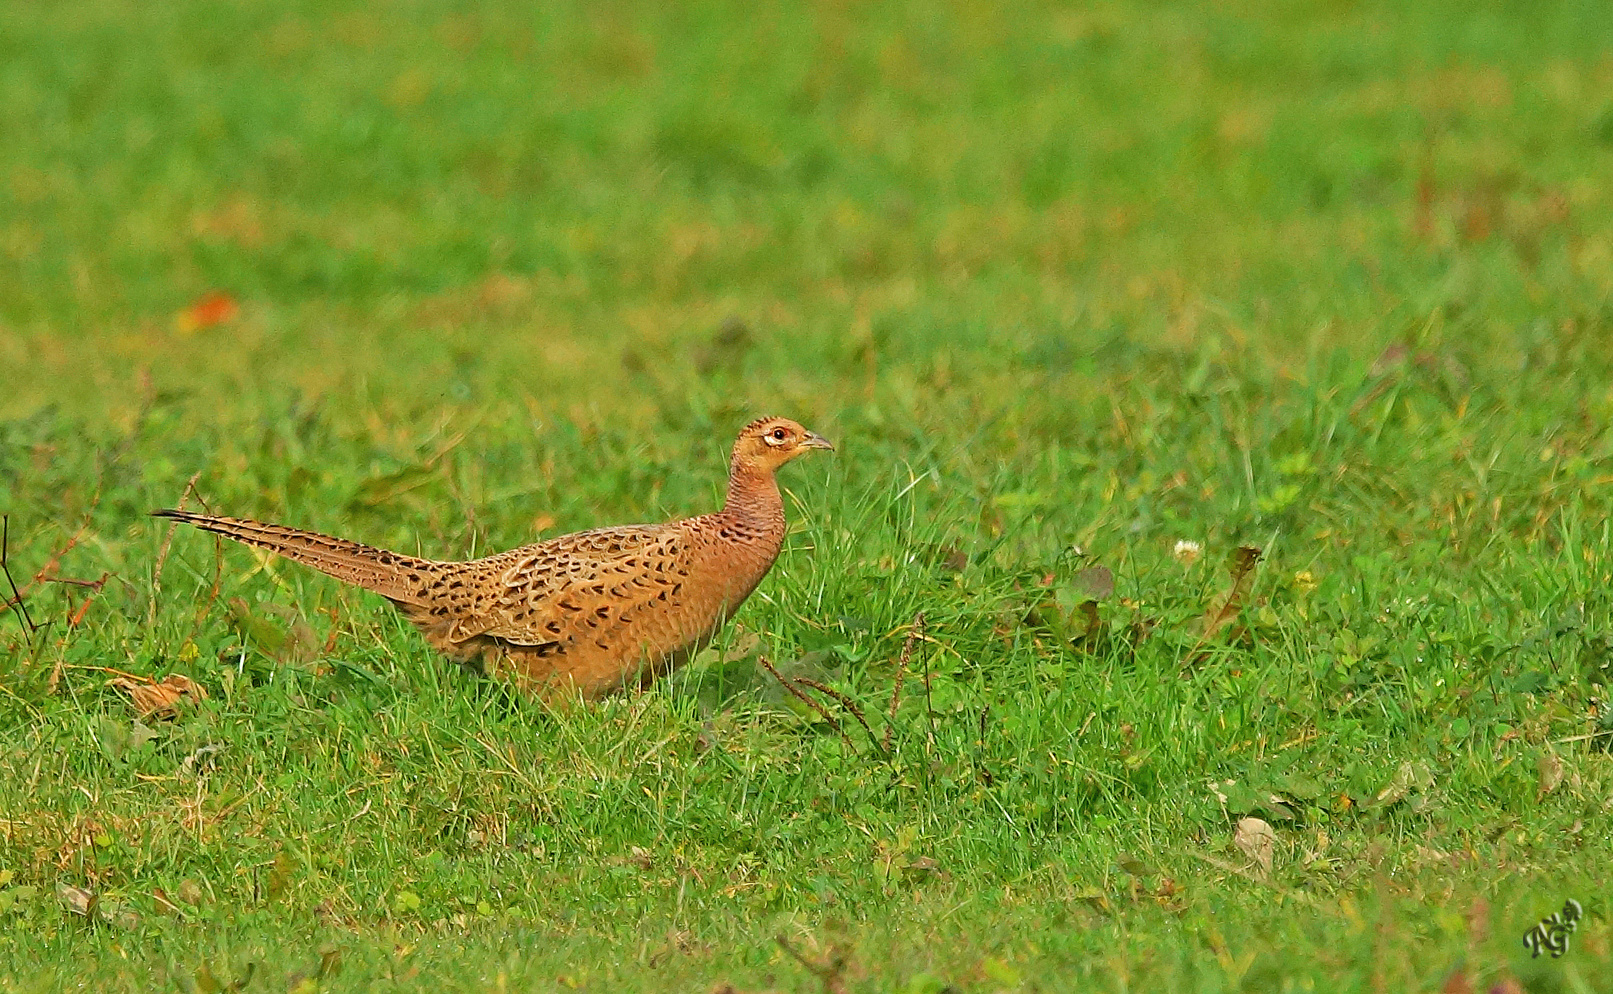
x: 16, y: 602
x: 94, y: 587
x: 809, y: 702
x: 845, y: 702
x: 48, y: 571
x: 105, y: 669
x: 916, y: 632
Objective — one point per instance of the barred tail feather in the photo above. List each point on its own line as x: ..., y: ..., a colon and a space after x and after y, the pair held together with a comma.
x: 389, y: 574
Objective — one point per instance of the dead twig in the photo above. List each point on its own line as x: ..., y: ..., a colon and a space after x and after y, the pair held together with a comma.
x: 16, y: 602
x: 49, y: 569
x: 47, y: 572
x: 95, y: 584
x: 102, y: 669
x: 845, y: 702
x: 913, y: 636
x: 803, y: 698
x: 94, y: 587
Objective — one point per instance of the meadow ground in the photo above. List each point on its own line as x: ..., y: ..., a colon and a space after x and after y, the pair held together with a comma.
x: 1068, y: 286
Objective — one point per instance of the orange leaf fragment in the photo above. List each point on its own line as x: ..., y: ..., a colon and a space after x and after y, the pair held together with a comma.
x: 161, y: 700
x: 208, y: 310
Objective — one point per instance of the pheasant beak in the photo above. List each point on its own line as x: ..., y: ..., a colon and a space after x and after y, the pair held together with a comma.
x: 815, y: 441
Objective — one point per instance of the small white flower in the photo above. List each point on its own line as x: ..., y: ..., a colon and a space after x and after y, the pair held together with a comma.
x: 1187, y: 551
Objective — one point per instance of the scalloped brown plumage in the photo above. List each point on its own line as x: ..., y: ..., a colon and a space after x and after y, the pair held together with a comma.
x: 583, y: 613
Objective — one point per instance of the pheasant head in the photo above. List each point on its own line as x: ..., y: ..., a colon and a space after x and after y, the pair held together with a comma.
x: 768, y: 443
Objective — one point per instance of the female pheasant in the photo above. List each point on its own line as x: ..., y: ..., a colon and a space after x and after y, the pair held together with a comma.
x: 585, y: 613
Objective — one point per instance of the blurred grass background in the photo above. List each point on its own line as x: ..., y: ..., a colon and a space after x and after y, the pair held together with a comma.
x: 1330, y: 278
x: 414, y: 199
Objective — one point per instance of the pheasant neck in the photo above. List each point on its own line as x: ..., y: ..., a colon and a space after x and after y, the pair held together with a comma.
x: 753, y: 498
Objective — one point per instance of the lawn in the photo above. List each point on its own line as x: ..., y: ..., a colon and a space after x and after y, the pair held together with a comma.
x: 1214, y: 570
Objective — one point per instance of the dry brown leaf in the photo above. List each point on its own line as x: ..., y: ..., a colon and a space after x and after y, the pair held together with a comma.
x: 1257, y: 840
x: 159, y: 700
x: 1231, y: 603
x: 75, y: 899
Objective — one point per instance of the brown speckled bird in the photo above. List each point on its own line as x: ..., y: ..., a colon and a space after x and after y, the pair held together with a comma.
x: 584, y: 613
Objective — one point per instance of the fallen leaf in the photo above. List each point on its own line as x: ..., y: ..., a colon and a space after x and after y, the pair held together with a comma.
x: 159, y: 700
x: 206, y: 311
x: 1257, y: 840
x: 1230, y: 604
x: 75, y: 899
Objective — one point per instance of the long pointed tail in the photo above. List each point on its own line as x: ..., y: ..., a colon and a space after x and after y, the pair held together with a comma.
x: 386, y: 573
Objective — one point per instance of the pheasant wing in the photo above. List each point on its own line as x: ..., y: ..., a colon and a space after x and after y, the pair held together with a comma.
x: 574, y: 586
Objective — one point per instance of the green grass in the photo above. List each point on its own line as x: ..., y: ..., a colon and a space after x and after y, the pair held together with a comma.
x: 1067, y: 286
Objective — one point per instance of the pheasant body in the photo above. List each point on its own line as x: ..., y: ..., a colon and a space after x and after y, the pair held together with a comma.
x: 588, y: 612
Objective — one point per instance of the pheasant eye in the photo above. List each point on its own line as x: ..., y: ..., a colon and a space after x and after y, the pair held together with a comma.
x: 778, y: 433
